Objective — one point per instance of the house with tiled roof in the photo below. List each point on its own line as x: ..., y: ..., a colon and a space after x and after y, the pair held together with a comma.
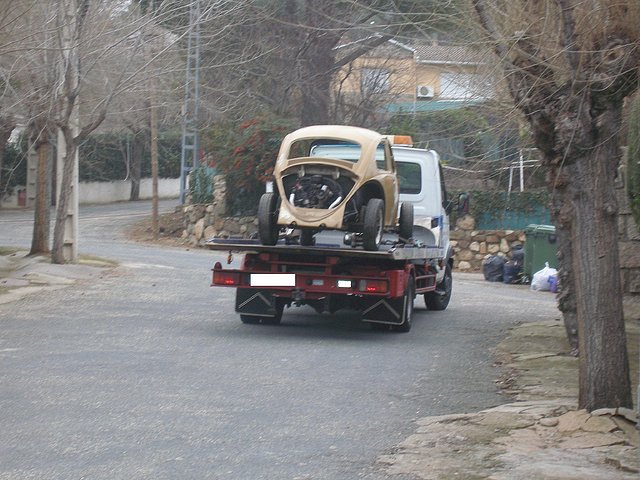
x: 416, y: 76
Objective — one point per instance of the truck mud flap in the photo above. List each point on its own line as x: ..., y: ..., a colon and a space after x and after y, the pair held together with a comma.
x: 383, y: 310
x: 253, y: 301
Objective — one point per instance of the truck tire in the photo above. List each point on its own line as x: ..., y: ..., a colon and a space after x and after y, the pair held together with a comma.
x: 373, y: 224
x: 439, y: 298
x: 268, y: 229
x: 266, y: 320
x: 405, y: 222
x: 407, y: 311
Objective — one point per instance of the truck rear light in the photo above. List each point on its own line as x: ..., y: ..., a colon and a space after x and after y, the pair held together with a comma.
x: 373, y: 286
x: 226, y: 278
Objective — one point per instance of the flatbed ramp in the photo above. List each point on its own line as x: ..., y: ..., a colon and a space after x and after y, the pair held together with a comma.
x: 396, y: 251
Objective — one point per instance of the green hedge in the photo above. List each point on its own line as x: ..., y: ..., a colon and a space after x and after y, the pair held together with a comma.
x: 105, y: 157
x: 14, y: 168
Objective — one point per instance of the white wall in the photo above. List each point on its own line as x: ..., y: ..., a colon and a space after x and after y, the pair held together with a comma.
x: 105, y: 192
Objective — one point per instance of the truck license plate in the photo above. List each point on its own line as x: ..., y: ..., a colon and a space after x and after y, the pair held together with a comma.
x: 273, y: 280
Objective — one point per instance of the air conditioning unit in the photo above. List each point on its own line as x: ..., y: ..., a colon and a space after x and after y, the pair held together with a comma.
x: 424, y: 91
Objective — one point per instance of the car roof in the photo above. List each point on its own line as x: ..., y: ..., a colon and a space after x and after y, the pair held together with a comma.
x: 339, y: 132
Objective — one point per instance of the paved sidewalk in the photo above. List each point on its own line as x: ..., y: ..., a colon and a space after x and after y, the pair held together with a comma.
x: 538, y: 436
x: 22, y: 275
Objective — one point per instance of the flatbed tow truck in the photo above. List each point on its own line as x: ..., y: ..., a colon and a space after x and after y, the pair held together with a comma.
x: 334, y: 273
x: 382, y: 285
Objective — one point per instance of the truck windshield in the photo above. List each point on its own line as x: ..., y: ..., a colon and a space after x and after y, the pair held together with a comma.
x: 345, y: 151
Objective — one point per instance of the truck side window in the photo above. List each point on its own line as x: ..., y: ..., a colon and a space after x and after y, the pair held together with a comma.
x: 409, y: 177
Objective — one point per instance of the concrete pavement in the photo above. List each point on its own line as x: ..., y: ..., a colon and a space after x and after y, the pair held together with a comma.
x: 539, y: 435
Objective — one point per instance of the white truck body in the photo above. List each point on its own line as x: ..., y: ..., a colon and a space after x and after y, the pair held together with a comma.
x: 422, y: 184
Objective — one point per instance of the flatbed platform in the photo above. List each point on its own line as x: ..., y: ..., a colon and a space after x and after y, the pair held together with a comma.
x: 392, y: 251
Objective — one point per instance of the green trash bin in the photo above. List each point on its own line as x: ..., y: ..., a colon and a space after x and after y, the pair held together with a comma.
x: 540, y: 247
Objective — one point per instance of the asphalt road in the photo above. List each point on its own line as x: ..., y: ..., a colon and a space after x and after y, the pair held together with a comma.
x: 148, y: 372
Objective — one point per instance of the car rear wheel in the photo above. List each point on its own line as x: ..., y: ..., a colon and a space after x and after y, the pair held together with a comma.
x: 268, y: 229
x: 373, y: 224
x: 406, y: 221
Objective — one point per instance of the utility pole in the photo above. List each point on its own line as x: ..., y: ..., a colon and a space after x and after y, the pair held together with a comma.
x: 149, y: 51
x: 190, y: 135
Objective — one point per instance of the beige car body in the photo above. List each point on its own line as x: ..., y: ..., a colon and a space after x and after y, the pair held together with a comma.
x: 365, y: 173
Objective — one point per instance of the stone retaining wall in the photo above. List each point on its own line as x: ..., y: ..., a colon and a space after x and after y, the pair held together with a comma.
x: 201, y: 223
x: 472, y: 246
x: 628, y: 236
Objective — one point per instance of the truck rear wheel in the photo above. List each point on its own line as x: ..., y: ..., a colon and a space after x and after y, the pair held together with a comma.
x: 268, y: 229
x: 373, y: 224
x: 407, y: 310
x: 439, y: 298
x: 265, y: 320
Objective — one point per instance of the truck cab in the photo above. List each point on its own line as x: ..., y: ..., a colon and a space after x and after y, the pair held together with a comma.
x: 422, y: 184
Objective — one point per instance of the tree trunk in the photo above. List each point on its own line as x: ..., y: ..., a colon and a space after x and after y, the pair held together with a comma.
x: 64, y: 194
x: 137, y: 152
x: 561, y: 209
x: 604, y: 366
x: 40, y: 240
x: 317, y: 65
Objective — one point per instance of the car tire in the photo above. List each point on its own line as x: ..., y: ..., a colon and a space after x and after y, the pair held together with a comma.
x: 405, y: 222
x: 268, y: 229
x: 439, y: 298
x: 373, y: 224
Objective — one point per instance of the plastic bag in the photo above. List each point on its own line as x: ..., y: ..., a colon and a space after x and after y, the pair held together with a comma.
x: 541, y: 278
x: 511, y: 272
x: 492, y: 267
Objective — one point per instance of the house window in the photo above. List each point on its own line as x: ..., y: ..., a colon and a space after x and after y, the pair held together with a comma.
x: 460, y: 86
x: 374, y: 80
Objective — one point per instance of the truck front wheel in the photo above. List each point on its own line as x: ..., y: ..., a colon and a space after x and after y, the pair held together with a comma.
x: 439, y: 298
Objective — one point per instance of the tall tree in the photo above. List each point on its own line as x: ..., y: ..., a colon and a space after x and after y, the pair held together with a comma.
x: 282, y: 56
x: 569, y: 66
